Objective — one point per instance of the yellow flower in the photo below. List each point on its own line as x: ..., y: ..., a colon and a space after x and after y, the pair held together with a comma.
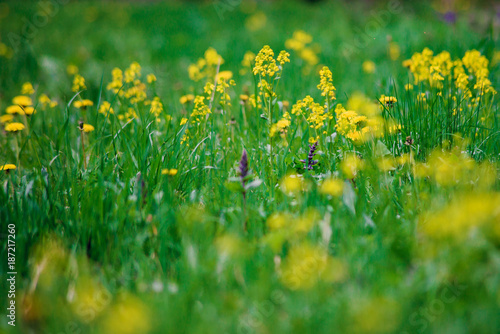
x: 333, y: 187
x: 156, y: 106
x: 461, y: 215
x: 256, y: 22
x: 6, y: 118
x: 394, y: 51
x: 408, y: 87
x: 29, y: 111
x: 22, y: 100
x: 78, y: 83
x: 151, y: 78
x: 83, y: 104
x: 170, y: 172
x: 186, y: 98
x: 128, y: 316
x: 183, y: 121
x: 71, y: 69
x: 306, y: 265
x: 368, y: 67
x: 14, y: 127
x: 224, y: 75
x: 27, y: 88
x: 244, y: 97
x: 291, y: 184
x: 278, y: 220
x: 106, y: 108
x: 86, y: 128
x: 326, y: 86
x: 351, y: 165
x: 8, y: 167
x: 45, y: 101
x: 15, y: 109
x: 388, y: 100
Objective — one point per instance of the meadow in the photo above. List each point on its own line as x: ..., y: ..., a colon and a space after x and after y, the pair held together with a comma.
x: 249, y: 167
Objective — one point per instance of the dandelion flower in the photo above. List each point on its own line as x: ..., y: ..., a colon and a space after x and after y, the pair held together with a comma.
x: 86, y: 127
x: 14, y: 127
x: 83, y: 104
x: 170, y: 172
x: 8, y: 167
x: 14, y: 109
x: 29, y: 111
x: 22, y: 100
x: 27, y: 88
x: 6, y: 118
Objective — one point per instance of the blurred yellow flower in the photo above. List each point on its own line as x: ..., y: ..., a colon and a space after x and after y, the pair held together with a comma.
x: 106, y: 108
x: 292, y: 184
x: 461, y: 215
x: 170, y: 172
x: 8, y: 167
x: 151, y: 78
x: 224, y: 75
x: 14, y: 127
x: 78, y: 83
x: 127, y: 316
x: 256, y: 22
x: 14, y: 109
x: 394, y: 51
x: 83, y: 103
x: 332, y: 186
x: 87, y: 128
x: 368, y: 66
x: 71, y: 69
x: 306, y: 265
x: 27, y: 88
x: 22, y: 100
x: 351, y: 165
x: 186, y: 98
x: 6, y: 118
x: 278, y: 220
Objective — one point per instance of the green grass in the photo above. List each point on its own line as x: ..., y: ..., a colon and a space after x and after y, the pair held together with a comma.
x: 112, y: 245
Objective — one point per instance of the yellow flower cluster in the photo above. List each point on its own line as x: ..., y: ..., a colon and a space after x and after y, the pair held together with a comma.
x: 315, y: 114
x: 350, y: 124
x: 83, y: 104
x: 200, y: 110
x: 436, y: 70
x: 205, y: 67
x: 281, y: 126
x: 265, y: 64
x: 306, y: 265
x: 78, y: 83
x: 45, y: 101
x: 156, y: 106
x: 128, y: 83
x: 454, y: 167
x: 325, y: 85
x: 300, y: 43
x: 463, y: 214
x: 27, y: 89
x: 106, y: 108
x: 14, y: 127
